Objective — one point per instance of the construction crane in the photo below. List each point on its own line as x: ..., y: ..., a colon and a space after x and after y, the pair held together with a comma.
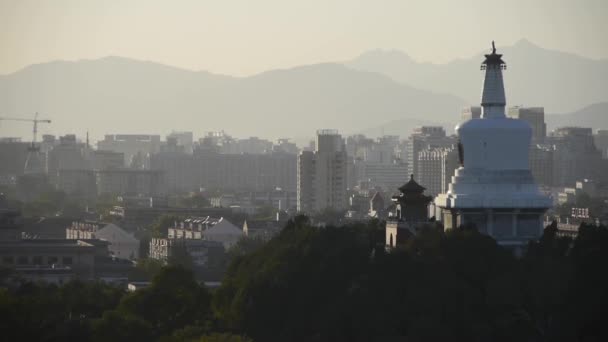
x: 36, y: 121
x: 32, y: 162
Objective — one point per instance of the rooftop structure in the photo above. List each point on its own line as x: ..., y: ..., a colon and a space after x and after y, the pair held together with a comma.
x: 410, y: 212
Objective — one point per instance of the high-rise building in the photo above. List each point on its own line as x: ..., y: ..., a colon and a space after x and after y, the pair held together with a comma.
x: 209, y: 169
x: 535, y: 116
x: 575, y: 156
x: 130, y: 182
x: 494, y: 190
x: 133, y: 146
x: 468, y: 113
x: 13, y: 153
x: 103, y: 160
x: 426, y: 137
x: 387, y: 176
x: 436, y: 167
x: 601, y: 142
x: 322, y: 174
x: 69, y: 154
x: 541, y: 164
x: 184, y: 139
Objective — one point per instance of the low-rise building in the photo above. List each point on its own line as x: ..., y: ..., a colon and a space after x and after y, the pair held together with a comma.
x: 206, y: 228
x: 123, y: 245
x: 202, y: 252
x: 77, y: 256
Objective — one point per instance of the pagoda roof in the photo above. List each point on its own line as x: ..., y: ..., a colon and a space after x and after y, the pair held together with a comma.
x: 412, y: 186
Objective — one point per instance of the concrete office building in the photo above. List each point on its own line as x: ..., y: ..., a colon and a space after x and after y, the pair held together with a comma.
x: 426, y: 137
x: 105, y: 160
x: 468, y: 113
x: 133, y: 146
x: 542, y: 164
x: 210, y: 169
x: 322, y: 174
x: 386, y: 176
x: 184, y: 139
x: 69, y: 154
x: 130, y: 182
x: 436, y: 167
x: 13, y: 153
x: 601, y: 142
x: 535, y: 116
x: 494, y: 190
x: 78, y: 183
x: 575, y: 156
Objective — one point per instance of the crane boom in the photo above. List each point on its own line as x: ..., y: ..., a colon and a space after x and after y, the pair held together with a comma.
x: 22, y: 119
x: 35, y: 120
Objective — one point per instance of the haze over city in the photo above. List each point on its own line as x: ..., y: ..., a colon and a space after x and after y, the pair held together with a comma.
x: 269, y: 170
x: 243, y: 39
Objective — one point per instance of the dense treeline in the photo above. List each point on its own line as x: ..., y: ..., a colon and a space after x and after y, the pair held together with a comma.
x: 338, y: 284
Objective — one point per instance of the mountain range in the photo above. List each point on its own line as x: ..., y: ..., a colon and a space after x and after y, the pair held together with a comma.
x: 560, y: 82
x: 377, y: 92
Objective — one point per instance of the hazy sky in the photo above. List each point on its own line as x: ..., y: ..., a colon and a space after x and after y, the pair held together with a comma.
x: 249, y: 36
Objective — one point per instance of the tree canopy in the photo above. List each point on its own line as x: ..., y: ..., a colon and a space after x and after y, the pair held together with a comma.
x: 338, y: 284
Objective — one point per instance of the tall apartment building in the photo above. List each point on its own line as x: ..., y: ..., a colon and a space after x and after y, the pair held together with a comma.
x: 132, y: 145
x: 436, y: 167
x: 322, y: 174
x: 575, y: 156
x: 130, y: 182
x: 468, y: 113
x: 541, y: 164
x: 184, y: 139
x: 375, y: 162
x: 601, y: 142
x: 103, y: 160
x: 426, y: 137
x: 212, y: 170
x: 69, y: 154
x: 13, y: 153
x: 388, y: 176
x: 535, y: 116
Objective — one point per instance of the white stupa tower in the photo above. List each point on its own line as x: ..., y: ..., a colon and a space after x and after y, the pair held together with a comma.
x: 493, y: 189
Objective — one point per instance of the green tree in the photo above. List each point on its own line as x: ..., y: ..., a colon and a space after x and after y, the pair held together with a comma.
x: 145, y: 269
x: 245, y: 245
x: 120, y: 327
x: 172, y: 301
x: 224, y: 337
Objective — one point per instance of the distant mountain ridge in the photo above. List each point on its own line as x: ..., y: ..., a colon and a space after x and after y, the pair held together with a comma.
x: 378, y: 92
x: 561, y: 82
x: 594, y: 116
x: 113, y: 94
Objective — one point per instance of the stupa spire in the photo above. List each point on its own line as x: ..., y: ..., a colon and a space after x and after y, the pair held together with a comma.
x: 493, y: 99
